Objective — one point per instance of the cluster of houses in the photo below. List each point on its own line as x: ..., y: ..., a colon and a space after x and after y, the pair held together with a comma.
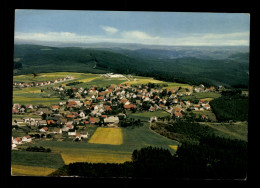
x: 33, y: 84
x: 20, y: 140
x: 95, y: 105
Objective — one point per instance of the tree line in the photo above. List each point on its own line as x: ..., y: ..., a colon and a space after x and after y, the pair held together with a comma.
x: 213, y: 157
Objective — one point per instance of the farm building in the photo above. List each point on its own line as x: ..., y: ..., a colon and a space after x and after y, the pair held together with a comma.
x: 112, y: 120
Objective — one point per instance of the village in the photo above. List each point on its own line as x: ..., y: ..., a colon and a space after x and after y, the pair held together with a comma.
x: 106, y: 107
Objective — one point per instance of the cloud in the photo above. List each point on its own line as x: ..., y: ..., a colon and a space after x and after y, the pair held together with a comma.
x: 139, y: 37
x: 236, y: 38
x: 109, y: 30
x: 49, y: 36
x: 135, y: 36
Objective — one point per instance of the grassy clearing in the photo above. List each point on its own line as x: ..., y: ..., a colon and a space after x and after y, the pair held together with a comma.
x: 209, y: 96
x: 37, y: 159
x: 35, y: 101
x: 143, y: 80
x: 19, y: 170
x: 145, y: 116
x: 174, y: 85
x: 138, y: 138
x: 146, y: 80
x: 238, y: 130
x: 27, y: 90
x: 88, y: 79
x: 211, y: 116
x: 111, y: 136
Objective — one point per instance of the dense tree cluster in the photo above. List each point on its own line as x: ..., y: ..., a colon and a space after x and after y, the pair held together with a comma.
x: 131, y: 122
x: 18, y: 65
x: 38, y: 149
x: 73, y: 83
x: 231, y: 106
x: 213, y: 157
x: 182, y: 131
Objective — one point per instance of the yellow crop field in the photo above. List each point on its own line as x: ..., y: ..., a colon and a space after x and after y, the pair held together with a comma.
x: 88, y: 79
x: 32, y: 99
x: 143, y: 80
x: 28, y: 90
x: 31, y: 170
x: 175, y: 147
x: 96, y: 157
x: 111, y: 136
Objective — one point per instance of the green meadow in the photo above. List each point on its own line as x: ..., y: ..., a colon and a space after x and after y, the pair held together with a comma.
x: 145, y: 116
x: 65, y: 152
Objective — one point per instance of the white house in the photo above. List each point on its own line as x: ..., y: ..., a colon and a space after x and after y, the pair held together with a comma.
x: 62, y: 103
x: 72, y: 132
x: 30, y: 121
x: 82, y: 114
x: 84, y: 135
x: 27, y: 138
x: 14, y: 147
x: 57, y: 131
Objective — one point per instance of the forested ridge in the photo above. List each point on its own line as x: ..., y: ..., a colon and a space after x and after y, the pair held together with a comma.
x: 192, y: 70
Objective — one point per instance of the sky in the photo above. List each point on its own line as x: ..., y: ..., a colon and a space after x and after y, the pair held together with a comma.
x: 153, y: 28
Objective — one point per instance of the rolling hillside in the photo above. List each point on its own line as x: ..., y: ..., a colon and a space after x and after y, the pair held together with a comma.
x: 168, y: 65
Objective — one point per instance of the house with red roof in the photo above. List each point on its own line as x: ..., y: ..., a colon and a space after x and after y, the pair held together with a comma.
x: 86, y: 122
x: 55, y: 107
x: 178, y: 114
x: 92, y: 120
x: 70, y: 116
x: 27, y: 138
x: 17, y: 140
x: 206, y: 107
x: 128, y: 107
x: 72, y: 104
x: 124, y: 100
x: 107, y: 108
x: 15, y: 111
x: 100, y: 98
x: 44, y: 129
x: 87, y: 103
x: 49, y: 122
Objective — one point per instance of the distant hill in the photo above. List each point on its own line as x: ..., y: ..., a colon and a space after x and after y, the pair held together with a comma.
x: 192, y: 65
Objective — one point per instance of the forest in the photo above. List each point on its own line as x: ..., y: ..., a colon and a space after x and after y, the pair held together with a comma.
x: 231, y: 71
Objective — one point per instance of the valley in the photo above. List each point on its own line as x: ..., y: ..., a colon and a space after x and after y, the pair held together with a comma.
x: 92, y: 118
